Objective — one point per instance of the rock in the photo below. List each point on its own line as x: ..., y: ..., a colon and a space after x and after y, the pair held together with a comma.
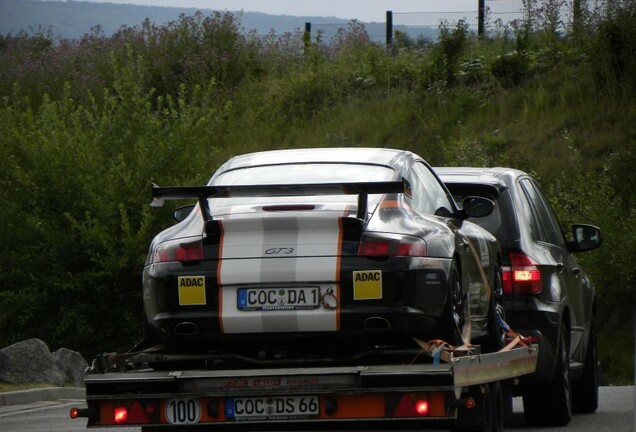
x: 72, y: 365
x: 31, y: 362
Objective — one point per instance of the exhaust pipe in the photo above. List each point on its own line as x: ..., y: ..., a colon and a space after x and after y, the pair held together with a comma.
x: 377, y: 324
x: 186, y: 328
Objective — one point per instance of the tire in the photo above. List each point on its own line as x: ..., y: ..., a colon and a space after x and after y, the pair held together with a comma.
x: 150, y: 336
x: 497, y: 407
x: 487, y: 416
x: 551, y: 404
x: 454, y: 315
x: 166, y: 429
x: 487, y: 413
x: 508, y: 413
x: 585, y: 390
x: 496, y: 338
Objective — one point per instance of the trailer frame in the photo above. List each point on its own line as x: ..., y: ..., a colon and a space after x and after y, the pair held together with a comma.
x: 453, y: 387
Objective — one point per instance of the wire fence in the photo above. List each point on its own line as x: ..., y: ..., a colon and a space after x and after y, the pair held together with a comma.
x: 510, y: 13
x: 496, y: 16
x: 434, y: 19
x: 327, y: 32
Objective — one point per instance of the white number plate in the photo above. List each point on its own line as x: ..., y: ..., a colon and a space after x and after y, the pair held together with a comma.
x: 272, y: 408
x: 183, y: 411
x: 272, y: 299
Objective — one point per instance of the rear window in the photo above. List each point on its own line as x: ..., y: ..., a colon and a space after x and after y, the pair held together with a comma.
x: 501, y: 222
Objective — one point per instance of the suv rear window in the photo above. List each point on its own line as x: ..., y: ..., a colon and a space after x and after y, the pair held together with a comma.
x: 495, y: 222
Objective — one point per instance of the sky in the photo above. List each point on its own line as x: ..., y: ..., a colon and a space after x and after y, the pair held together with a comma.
x: 362, y: 10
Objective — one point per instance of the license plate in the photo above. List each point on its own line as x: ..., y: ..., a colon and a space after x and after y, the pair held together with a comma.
x: 274, y: 299
x: 272, y: 408
x: 183, y: 411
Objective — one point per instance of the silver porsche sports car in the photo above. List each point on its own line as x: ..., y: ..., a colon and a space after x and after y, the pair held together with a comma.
x: 316, y: 255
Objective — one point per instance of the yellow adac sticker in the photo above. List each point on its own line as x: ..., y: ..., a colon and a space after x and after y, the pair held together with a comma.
x: 191, y: 290
x: 367, y: 285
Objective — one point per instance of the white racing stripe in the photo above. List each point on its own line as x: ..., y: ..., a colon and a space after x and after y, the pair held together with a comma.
x: 270, y: 250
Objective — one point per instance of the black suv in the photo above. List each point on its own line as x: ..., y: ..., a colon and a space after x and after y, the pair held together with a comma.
x: 547, y: 296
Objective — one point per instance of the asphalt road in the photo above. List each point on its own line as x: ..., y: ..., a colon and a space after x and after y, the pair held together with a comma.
x: 615, y: 414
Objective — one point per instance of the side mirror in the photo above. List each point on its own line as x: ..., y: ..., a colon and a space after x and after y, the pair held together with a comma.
x: 476, y: 207
x: 182, y: 212
x: 586, y: 237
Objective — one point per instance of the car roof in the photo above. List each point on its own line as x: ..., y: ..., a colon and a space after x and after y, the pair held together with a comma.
x: 362, y: 155
x: 499, y: 177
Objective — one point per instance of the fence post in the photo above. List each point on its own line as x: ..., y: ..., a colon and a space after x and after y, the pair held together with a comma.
x: 307, y: 34
x: 389, y: 27
x: 576, y: 13
x: 481, y: 17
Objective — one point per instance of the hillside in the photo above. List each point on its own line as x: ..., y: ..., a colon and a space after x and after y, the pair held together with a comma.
x: 86, y: 125
x: 73, y: 19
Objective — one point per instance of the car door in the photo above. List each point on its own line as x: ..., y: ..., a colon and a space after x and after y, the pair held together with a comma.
x: 563, y: 266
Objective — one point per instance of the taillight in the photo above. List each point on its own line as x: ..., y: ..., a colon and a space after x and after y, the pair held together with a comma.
x: 398, y: 246
x: 120, y: 415
x: 133, y: 412
x: 421, y: 407
x: 179, y: 250
x: 523, y: 276
x: 79, y: 412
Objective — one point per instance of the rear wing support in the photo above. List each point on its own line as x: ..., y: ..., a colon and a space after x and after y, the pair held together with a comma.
x: 203, y: 193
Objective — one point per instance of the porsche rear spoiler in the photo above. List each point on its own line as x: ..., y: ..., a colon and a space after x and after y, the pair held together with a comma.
x: 202, y: 193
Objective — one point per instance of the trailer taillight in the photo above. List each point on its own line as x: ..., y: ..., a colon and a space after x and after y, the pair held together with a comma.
x: 134, y: 412
x: 421, y: 406
x: 413, y: 405
x: 78, y: 412
x: 179, y: 250
x: 120, y: 414
x: 523, y: 276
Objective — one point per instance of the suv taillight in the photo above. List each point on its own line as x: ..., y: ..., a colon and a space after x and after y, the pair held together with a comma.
x: 388, y: 246
x: 523, y: 276
x: 179, y: 250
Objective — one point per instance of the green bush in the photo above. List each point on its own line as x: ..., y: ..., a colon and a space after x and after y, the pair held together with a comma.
x: 77, y: 226
x: 511, y: 69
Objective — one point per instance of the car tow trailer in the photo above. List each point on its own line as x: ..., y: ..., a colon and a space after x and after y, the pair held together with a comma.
x: 456, y: 387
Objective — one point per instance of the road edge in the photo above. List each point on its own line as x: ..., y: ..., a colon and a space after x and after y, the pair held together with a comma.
x: 23, y: 397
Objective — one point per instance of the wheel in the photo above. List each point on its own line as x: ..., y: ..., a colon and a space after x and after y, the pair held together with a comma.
x: 585, y: 390
x: 506, y: 390
x: 166, y: 429
x: 487, y: 412
x: 497, y: 407
x: 487, y: 416
x: 551, y: 404
x: 452, y: 323
x: 150, y: 336
x: 496, y: 338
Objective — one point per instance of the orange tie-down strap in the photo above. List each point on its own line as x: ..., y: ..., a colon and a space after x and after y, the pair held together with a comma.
x: 515, y: 339
x: 440, y: 350
x: 512, y: 336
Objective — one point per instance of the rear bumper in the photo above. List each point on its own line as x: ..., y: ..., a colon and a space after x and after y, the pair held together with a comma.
x: 409, y: 299
x: 544, y: 326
